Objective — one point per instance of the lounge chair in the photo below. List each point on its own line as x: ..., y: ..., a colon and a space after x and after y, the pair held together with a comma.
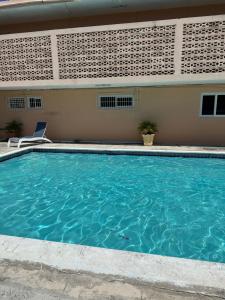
x: 38, y: 136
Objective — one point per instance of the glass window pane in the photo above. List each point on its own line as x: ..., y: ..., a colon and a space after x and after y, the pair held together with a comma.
x: 220, y: 109
x: 17, y: 103
x: 124, y: 102
x: 35, y: 102
x: 108, y: 102
x: 208, y: 103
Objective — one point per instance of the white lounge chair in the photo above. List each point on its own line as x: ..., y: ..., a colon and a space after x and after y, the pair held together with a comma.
x: 38, y: 136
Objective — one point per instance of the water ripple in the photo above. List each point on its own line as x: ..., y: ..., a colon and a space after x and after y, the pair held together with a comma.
x: 168, y: 206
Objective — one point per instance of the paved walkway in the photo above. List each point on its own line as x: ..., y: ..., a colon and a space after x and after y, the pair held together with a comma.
x: 35, y: 282
x: 4, y: 149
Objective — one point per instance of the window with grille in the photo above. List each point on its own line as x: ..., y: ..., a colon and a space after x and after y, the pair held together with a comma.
x: 116, y: 101
x: 35, y: 102
x: 16, y: 103
x: 213, y: 105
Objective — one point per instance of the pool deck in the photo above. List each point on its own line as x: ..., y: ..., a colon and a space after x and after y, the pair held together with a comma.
x: 4, y: 149
x: 34, y: 269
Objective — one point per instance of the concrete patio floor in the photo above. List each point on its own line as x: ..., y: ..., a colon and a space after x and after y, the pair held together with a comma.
x: 20, y: 280
x: 37, y: 282
x: 4, y: 149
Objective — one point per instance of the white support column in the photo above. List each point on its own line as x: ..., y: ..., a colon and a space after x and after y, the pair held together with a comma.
x: 55, y: 61
x: 178, y: 47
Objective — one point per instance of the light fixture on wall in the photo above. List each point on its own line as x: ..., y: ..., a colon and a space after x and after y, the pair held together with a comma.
x: 103, y: 85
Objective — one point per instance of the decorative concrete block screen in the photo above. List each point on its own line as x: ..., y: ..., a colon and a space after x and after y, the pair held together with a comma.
x: 28, y: 58
x: 182, y: 51
x: 203, y: 48
x: 147, y: 51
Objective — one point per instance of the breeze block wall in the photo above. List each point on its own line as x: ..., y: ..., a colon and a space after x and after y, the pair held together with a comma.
x: 169, y: 52
x: 166, y: 65
x: 26, y: 59
x: 146, y: 51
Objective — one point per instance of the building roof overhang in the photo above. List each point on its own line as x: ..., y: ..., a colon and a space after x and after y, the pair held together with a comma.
x: 22, y: 11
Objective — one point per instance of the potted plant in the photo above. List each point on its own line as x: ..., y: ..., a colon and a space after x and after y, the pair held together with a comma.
x: 148, y: 130
x: 14, y: 128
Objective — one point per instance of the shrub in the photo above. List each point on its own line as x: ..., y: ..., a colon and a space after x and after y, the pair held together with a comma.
x: 147, y: 127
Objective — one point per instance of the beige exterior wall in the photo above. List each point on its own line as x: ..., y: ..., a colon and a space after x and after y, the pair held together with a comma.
x: 72, y: 114
x: 117, y: 18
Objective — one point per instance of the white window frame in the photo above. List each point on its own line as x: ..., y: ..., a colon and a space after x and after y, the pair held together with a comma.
x: 34, y: 108
x: 16, y: 108
x: 215, y: 105
x: 116, y: 96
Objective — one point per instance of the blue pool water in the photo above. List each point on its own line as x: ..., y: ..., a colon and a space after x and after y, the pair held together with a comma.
x: 171, y: 206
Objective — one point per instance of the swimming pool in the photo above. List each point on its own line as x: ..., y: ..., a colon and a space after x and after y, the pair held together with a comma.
x: 171, y: 206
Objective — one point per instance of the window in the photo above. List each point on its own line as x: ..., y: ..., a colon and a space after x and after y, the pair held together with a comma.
x: 35, y: 102
x: 116, y: 101
x: 107, y: 102
x: 213, y: 105
x: 220, y: 107
x: 208, y: 103
x: 16, y: 103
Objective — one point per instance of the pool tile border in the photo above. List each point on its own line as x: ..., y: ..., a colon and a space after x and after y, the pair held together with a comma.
x: 15, y: 153
x: 165, y: 153
x: 119, y: 151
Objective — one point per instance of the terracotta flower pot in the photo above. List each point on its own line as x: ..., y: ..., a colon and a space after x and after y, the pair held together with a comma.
x: 148, y: 139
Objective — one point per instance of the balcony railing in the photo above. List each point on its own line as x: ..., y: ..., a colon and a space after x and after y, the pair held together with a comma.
x: 181, y: 51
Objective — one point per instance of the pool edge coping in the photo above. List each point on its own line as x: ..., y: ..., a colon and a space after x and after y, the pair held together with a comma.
x: 186, y: 274
x: 119, y: 150
x: 181, y: 274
